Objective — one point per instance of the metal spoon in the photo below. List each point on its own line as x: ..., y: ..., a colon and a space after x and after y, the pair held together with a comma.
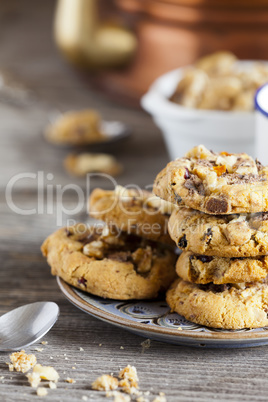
x: 26, y: 324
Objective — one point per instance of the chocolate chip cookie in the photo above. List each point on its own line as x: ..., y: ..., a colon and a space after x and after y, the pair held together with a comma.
x: 203, y: 269
x: 244, y: 235
x: 134, y: 211
x: 215, y: 183
x: 228, y: 306
x: 81, y: 164
x: 108, y: 263
x: 76, y: 128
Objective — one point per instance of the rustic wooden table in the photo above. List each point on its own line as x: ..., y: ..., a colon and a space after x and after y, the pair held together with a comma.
x: 182, y: 373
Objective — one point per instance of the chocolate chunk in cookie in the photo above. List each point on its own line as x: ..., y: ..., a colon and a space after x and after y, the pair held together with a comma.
x: 217, y: 206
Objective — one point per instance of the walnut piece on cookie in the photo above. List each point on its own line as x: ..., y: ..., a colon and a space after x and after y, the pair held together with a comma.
x: 76, y: 128
x: 110, y: 264
x: 215, y: 183
x: 81, y: 164
x: 22, y: 362
x: 134, y: 211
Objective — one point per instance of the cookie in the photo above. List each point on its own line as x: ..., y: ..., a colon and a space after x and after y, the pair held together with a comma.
x: 244, y: 235
x: 226, y: 306
x: 203, y: 269
x: 81, y: 164
x: 76, y: 128
x: 110, y: 264
x: 215, y: 183
x: 218, y: 82
x: 218, y: 63
x: 134, y: 211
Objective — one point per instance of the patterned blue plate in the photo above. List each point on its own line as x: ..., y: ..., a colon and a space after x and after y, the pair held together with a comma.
x: 153, y: 319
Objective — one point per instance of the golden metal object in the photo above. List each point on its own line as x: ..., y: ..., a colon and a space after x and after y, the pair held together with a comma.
x: 87, y: 42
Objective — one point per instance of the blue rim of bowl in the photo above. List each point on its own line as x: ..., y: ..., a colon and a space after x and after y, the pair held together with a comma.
x: 257, y: 106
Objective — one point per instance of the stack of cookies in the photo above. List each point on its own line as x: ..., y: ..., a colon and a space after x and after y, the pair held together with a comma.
x: 131, y: 256
x: 221, y: 224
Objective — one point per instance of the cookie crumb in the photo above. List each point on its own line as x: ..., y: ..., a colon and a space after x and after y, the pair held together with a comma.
x: 52, y: 385
x: 81, y: 349
x: 34, y: 379
x: 46, y: 372
x: 44, y: 342
x: 41, y: 391
x: 20, y: 361
x: 121, y: 398
x: 142, y: 399
x: 39, y: 349
x: 145, y: 345
x: 122, y: 347
x: 84, y: 398
x: 179, y: 328
x: 160, y: 398
x: 127, y: 388
x: 100, y: 344
x: 129, y: 373
x: 70, y: 380
x: 105, y: 383
x: 74, y: 368
x: 118, y: 396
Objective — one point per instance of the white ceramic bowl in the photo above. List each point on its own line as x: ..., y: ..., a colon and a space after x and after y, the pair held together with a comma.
x: 183, y: 128
x: 261, y: 103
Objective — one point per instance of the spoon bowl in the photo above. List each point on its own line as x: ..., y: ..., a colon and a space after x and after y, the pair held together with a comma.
x: 27, y: 324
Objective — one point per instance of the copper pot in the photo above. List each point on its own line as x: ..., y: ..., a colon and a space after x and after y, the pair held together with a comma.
x: 173, y: 33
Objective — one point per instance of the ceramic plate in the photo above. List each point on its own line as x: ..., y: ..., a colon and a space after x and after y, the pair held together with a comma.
x: 152, y: 319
